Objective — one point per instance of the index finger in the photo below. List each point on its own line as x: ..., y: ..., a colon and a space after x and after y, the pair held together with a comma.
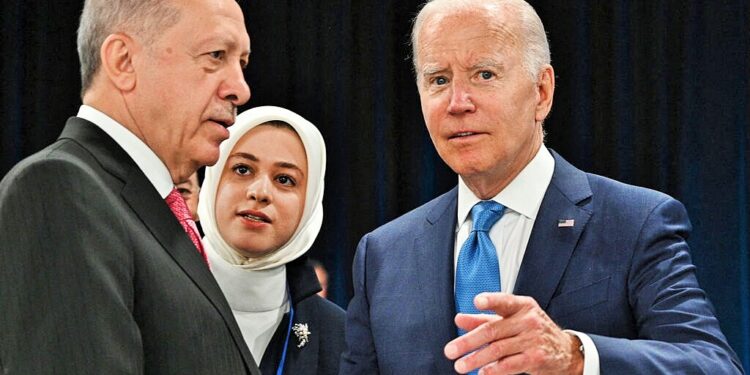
x: 503, y: 304
x: 468, y: 322
x: 494, y: 328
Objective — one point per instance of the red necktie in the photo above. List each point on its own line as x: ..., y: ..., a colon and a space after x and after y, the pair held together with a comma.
x: 182, y: 213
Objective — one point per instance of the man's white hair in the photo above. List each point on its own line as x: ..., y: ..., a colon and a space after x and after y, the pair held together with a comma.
x: 535, y: 47
x: 143, y: 19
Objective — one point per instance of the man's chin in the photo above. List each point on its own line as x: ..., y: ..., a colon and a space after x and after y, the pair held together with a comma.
x: 465, y: 168
x: 209, y: 163
x: 209, y: 159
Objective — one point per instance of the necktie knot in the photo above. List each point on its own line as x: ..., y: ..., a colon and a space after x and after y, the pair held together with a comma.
x: 178, y: 206
x: 181, y: 211
x: 485, y: 214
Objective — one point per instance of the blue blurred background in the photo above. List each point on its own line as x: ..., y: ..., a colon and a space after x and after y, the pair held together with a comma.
x: 653, y: 93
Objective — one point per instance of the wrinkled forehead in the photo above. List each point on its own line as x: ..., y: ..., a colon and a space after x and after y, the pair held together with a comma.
x: 222, y: 16
x: 443, y: 31
x: 223, y: 8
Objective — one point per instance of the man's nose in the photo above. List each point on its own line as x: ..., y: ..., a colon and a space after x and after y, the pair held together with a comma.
x: 460, y: 101
x: 235, y: 88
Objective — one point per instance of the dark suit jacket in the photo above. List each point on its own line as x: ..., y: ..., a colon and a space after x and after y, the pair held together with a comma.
x: 325, y: 320
x: 98, y: 277
x: 621, y: 274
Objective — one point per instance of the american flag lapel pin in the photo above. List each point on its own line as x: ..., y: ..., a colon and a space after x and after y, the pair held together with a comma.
x: 566, y: 223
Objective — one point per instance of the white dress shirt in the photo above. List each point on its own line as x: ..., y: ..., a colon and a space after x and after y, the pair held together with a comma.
x: 510, y: 235
x: 148, y: 162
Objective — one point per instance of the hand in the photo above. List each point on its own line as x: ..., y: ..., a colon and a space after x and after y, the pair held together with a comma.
x: 520, y: 338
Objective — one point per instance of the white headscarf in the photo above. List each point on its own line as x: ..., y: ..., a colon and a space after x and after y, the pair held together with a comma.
x: 312, y: 216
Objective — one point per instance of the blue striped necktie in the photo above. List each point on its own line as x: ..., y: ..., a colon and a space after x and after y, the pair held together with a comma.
x: 477, y: 270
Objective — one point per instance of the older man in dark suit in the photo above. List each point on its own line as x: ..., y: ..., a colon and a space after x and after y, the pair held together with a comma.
x: 555, y: 247
x: 99, y: 274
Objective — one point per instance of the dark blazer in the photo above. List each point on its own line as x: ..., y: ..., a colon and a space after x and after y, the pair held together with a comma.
x: 325, y: 320
x: 98, y: 277
x: 622, y: 272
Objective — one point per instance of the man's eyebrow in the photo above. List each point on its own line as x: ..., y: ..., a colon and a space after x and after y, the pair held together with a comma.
x: 431, y: 69
x: 220, y: 39
x: 487, y: 64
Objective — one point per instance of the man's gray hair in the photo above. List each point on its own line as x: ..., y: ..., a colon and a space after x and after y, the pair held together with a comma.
x: 141, y: 19
x: 531, y: 30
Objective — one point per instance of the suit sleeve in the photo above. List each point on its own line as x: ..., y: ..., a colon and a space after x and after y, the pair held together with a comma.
x: 66, y: 287
x: 360, y: 356
x: 677, y: 330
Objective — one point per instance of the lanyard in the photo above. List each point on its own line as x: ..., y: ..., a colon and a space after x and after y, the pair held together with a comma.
x: 280, y: 369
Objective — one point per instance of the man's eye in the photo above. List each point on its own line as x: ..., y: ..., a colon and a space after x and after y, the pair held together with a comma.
x: 216, y: 54
x: 440, y: 81
x: 486, y: 75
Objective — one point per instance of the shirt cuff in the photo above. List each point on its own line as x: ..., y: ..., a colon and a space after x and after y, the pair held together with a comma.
x: 591, y: 355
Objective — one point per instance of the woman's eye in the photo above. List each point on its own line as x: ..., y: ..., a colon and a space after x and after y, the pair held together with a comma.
x: 286, y: 180
x: 486, y: 75
x: 241, y: 170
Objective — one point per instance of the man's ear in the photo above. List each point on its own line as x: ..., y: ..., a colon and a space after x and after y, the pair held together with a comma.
x: 546, y: 90
x: 117, y: 60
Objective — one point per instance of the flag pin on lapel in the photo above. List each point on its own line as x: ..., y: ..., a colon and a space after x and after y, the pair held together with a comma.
x: 566, y: 223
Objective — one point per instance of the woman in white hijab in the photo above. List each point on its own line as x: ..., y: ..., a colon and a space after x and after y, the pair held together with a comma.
x: 261, y: 209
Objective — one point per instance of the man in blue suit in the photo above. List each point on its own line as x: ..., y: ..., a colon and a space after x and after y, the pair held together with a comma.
x: 594, y: 276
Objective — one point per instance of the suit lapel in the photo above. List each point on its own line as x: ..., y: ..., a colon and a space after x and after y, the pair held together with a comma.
x: 434, y: 252
x: 552, y: 242
x: 143, y: 199
x: 160, y: 221
x: 303, y: 283
x: 301, y: 360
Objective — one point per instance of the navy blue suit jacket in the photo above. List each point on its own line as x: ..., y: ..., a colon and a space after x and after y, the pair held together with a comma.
x: 622, y: 274
x: 325, y: 321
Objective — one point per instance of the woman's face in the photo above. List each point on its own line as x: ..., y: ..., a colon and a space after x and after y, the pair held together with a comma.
x: 261, y: 193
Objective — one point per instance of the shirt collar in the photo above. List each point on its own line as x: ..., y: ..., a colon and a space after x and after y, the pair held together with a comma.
x: 523, y: 195
x: 154, y: 169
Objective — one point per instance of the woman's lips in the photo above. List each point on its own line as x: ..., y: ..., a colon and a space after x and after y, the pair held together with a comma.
x: 254, y: 219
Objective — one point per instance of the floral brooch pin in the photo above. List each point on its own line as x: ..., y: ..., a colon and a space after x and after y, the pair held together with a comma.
x: 302, y: 331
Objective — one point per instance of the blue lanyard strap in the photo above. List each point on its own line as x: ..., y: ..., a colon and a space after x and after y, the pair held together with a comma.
x: 280, y: 369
